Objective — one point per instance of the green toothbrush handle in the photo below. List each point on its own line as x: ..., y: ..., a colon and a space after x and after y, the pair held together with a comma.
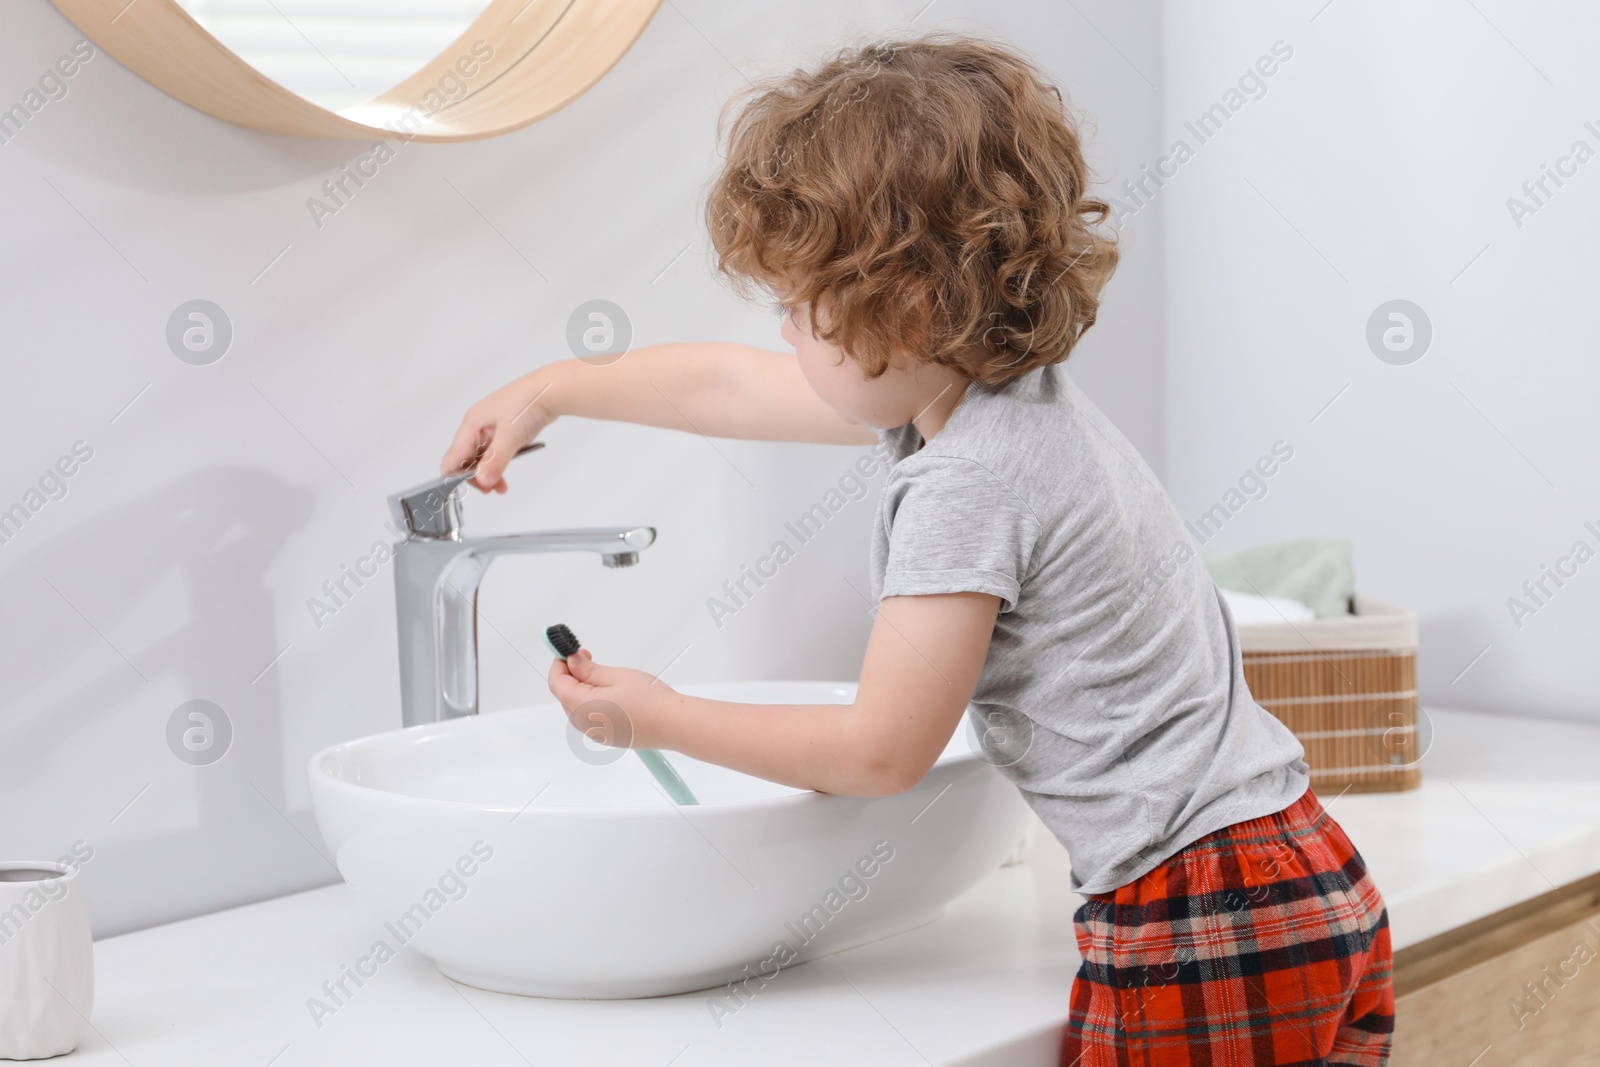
x: 668, y: 777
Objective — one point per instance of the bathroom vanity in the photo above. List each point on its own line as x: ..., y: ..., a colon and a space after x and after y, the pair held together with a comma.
x: 1489, y: 871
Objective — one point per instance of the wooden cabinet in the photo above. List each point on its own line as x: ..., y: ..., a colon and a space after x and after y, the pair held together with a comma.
x: 1520, y: 988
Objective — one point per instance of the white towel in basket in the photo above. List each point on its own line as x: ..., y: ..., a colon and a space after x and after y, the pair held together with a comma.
x: 1249, y: 609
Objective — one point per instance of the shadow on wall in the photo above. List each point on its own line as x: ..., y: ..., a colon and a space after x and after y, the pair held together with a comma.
x: 211, y: 537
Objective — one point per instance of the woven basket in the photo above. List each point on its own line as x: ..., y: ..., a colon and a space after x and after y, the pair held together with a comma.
x: 1347, y: 687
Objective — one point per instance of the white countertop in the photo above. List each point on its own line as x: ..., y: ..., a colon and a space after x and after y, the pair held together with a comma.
x: 1509, y: 808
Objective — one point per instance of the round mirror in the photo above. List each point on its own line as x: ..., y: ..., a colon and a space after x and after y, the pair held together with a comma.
x: 435, y: 70
x: 336, y: 53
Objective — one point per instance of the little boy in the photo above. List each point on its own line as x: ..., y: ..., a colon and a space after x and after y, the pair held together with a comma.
x: 920, y: 211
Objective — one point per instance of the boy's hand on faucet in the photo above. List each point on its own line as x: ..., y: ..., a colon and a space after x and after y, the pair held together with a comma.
x: 495, y: 427
x: 578, y: 681
x: 712, y: 388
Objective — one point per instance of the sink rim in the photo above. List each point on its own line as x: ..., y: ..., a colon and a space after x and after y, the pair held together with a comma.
x: 319, y: 775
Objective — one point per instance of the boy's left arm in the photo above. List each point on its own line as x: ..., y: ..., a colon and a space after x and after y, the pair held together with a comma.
x: 923, y: 661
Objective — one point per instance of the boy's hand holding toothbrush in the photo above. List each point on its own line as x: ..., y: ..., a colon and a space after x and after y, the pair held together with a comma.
x: 612, y: 721
x: 643, y: 700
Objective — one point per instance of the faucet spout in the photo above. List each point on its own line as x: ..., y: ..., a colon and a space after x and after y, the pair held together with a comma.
x: 606, y: 540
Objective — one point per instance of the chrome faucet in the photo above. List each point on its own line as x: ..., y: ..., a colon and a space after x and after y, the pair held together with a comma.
x: 436, y: 576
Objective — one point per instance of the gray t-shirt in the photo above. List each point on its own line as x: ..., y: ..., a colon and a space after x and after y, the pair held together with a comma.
x: 1113, y: 695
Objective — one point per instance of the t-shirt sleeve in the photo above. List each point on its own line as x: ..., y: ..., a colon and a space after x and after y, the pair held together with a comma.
x: 955, y: 527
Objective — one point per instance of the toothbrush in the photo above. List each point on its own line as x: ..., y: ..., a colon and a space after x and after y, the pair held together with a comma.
x: 563, y: 642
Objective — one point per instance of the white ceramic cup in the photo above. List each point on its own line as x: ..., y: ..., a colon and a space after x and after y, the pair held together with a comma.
x: 46, y: 960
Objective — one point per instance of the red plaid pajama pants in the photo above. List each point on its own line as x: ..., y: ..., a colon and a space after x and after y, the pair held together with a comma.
x: 1264, y: 942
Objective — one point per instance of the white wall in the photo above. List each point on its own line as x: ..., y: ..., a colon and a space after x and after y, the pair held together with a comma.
x: 179, y: 563
x: 1378, y: 166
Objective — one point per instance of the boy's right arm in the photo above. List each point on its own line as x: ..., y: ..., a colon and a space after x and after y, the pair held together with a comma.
x: 712, y: 388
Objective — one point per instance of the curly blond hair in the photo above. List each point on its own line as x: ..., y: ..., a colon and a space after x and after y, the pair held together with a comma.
x: 932, y: 189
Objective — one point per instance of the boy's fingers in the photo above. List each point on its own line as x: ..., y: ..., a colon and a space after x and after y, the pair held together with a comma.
x: 462, y: 447
x: 581, y: 665
x: 474, y: 445
x: 490, y: 464
x: 562, y: 684
x: 495, y: 457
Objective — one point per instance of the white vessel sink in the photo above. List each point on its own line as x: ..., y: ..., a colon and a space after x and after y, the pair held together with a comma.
x: 489, y: 846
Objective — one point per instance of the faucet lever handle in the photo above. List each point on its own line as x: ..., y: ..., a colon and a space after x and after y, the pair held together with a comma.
x: 433, y: 509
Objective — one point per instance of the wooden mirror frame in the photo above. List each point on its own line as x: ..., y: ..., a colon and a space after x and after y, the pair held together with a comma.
x: 528, y: 59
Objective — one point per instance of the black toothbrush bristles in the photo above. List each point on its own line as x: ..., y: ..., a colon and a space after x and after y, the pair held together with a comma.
x: 563, y: 640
